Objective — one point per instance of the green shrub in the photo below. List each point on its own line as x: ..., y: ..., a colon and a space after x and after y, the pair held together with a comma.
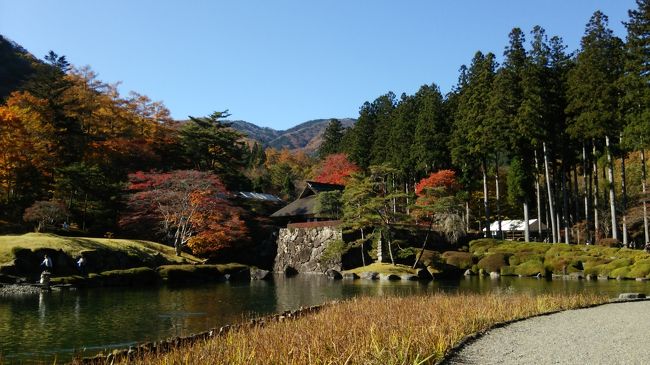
x: 508, y: 271
x: 621, y: 271
x: 461, y: 260
x: 16, y: 250
x: 129, y: 277
x: 639, y: 270
x: 608, y: 268
x: 188, y: 273
x: 493, y: 262
x: 530, y: 268
x: 334, y: 250
x: 521, y: 257
x: 481, y: 246
x: 75, y: 280
x: 590, y: 266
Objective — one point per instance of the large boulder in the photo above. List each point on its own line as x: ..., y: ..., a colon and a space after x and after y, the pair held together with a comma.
x: 424, y: 274
x: 389, y: 277
x: 333, y: 274
x: 631, y: 296
x: 409, y: 277
x: 260, y: 274
x: 350, y: 276
x: 239, y: 274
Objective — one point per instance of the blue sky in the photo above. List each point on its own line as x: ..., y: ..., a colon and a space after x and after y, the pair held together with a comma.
x: 279, y: 63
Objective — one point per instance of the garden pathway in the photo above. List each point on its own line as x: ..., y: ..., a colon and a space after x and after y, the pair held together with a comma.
x: 616, y: 333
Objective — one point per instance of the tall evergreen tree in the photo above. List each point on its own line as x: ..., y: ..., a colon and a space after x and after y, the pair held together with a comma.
x: 430, y: 150
x: 505, y: 101
x: 473, y: 135
x: 209, y: 144
x: 383, y: 108
x: 332, y: 138
x: 402, y: 133
x: 635, y: 100
x: 593, y: 94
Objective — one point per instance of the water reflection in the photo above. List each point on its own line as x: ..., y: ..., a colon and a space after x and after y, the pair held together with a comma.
x: 87, y: 321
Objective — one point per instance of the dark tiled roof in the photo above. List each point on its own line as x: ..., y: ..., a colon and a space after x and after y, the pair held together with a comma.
x: 301, y: 207
x: 314, y: 187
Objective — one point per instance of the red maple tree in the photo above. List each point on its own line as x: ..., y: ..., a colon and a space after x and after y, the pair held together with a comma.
x: 336, y: 169
x: 445, y: 179
x: 190, y: 207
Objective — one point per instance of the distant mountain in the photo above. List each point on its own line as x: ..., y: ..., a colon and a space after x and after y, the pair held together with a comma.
x: 16, y: 66
x: 306, y: 136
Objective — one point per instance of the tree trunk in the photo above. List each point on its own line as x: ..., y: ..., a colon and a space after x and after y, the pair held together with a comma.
x: 576, y: 195
x: 424, y: 244
x: 643, y: 188
x: 612, y: 196
x: 486, y: 205
x: 406, y: 191
x: 380, y: 249
x: 526, y: 225
x: 550, y: 194
x: 585, y: 191
x: 539, y: 197
x: 565, y: 203
x: 496, y: 179
x: 559, y: 230
x: 623, y: 198
x: 595, y: 175
x: 363, y: 241
x: 466, y: 216
x: 177, y: 242
x: 390, y: 247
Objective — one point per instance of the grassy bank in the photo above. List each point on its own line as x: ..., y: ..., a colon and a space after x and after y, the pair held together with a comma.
x: 74, y: 246
x: 170, y: 274
x: 21, y: 255
x: 529, y: 259
x: 393, y: 330
x: 383, y: 268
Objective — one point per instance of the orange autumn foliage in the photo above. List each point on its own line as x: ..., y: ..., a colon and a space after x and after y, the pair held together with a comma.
x: 336, y: 169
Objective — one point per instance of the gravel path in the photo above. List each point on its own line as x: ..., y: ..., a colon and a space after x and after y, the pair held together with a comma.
x: 615, y: 333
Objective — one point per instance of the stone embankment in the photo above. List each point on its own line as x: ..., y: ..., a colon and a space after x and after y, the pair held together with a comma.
x: 301, y: 250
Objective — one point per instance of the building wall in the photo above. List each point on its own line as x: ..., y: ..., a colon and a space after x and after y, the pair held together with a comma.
x: 300, y: 249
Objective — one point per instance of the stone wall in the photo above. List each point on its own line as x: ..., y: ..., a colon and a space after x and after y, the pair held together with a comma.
x: 300, y: 249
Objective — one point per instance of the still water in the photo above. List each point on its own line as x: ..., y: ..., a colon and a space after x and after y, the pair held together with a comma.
x: 61, y: 324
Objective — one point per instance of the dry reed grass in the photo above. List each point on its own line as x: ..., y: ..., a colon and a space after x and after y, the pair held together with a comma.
x: 387, y: 330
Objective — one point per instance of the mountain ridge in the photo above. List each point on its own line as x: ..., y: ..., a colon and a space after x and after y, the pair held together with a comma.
x: 305, y: 136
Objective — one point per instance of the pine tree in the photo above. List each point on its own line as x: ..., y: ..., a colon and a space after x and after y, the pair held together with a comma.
x: 430, y: 150
x: 593, y: 94
x: 635, y: 101
x: 332, y: 138
x: 505, y: 101
x: 473, y: 135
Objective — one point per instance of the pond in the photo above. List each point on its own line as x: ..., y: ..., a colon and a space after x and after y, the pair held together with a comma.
x: 61, y: 324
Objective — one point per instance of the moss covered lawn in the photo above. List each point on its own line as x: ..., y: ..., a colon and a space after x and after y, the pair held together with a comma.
x: 74, y: 246
x: 530, y: 259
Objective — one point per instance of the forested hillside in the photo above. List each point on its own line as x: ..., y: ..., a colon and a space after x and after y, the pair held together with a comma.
x: 548, y: 133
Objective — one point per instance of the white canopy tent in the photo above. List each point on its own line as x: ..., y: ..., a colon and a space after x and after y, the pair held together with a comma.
x: 514, y: 228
